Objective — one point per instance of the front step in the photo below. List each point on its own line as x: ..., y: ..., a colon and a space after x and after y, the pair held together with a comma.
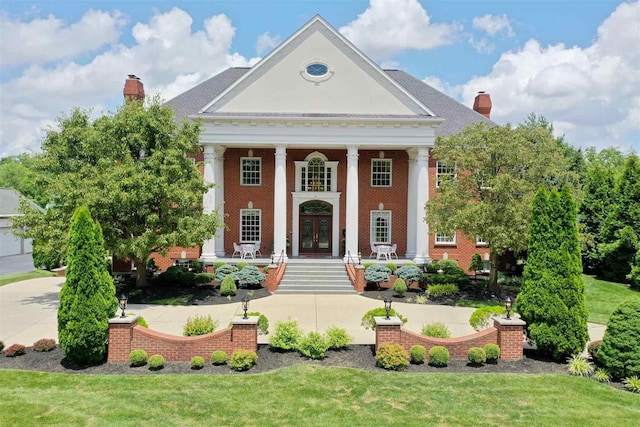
x: 315, y: 277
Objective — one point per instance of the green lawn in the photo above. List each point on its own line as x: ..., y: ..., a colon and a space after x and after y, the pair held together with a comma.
x: 313, y: 396
x: 603, y: 297
x: 12, y: 278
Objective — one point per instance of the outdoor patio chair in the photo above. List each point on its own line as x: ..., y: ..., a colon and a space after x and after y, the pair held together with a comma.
x: 256, y: 249
x: 374, y: 250
x: 237, y: 249
x: 392, y: 252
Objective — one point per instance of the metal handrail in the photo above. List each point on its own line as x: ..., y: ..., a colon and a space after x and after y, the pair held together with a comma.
x: 279, y: 259
x: 352, y: 260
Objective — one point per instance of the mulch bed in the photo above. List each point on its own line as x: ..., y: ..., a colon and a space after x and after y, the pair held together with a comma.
x: 195, y: 295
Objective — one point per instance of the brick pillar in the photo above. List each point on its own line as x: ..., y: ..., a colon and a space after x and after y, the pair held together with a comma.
x: 360, y: 282
x: 120, y: 337
x: 510, y: 337
x: 272, y: 278
x: 387, y: 330
x: 245, y: 333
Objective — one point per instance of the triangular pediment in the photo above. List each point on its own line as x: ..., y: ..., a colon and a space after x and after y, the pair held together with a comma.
x: 345, y: 81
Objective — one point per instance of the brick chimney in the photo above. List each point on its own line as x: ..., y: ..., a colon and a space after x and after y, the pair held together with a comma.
x: 133, y: 88
x: 482, y: 104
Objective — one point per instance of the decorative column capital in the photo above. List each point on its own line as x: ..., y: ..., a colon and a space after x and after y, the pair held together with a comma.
x: 352, y: 153
x: 422, y: 154
x: 281, y: 151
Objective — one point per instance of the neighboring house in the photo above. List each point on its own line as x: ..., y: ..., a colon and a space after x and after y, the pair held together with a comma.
x: 317, y: 151
x: 10, y: 244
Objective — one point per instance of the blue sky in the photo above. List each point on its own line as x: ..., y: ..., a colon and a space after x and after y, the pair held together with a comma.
x: 575, y: 62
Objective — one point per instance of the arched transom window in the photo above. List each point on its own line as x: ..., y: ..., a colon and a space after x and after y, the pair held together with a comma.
x: 316, y: 173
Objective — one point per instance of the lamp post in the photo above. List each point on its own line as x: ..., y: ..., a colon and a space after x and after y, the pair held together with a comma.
x: 359, y: 258
x: 273, y: 257
x: 122, y: 301
x: 508, y: 303
x: 245, y: 305
x: 387, y: 305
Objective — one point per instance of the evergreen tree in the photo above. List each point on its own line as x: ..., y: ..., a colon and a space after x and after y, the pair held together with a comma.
x: 87, y: 299
x: 626, y: 210
x: 552, y: 296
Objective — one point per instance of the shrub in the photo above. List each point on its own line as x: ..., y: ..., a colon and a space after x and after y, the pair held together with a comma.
x: 178, y: 276
x: 442, y: 291
x: 286, y: 335
x: 391, y: 266
x: 44, y: 344
x: 223, y: 271
x: 263, y: 322
x: 338, y: 337
x: 1, y: 345
x: 492, y: 352
x: 438, y: 356
x: 601, y: 375
x: 250, y: 276
x: 217, y: 265
x: 15, y: 350
x: 138, y: 357
x: 242, y: 360
x: 421, y: 299
x: 476, y: 356
x: 410, y: 273
x: 620, y: 349
x: 392, y: 356
x: 313, y: 345
x: 400, y: 287
x: 203, y: 278
x: 436, y: 330
x: 480, y: 318
x: 618, y: 257
x: 418, y: 353
x: 228, y: 286
x: 368, y: 321
x: 241, y: 265
x: 197, y: 362
x: 219, y: 357
x: 142, y: 322
x: 46, y: 259
x: 377, y: 273
x: 592, y: 349
x: 199, y: 325
x: 632, y: 384
x: 156, y: 362
x: 579, y: 366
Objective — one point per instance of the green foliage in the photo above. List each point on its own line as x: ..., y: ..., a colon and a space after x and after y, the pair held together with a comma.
x: 391, y: 266
x: 400, y: 287
x: 368, y: 264
x: 223, y: 271
x: 579, y: 366
x: 228, y: 286
x: 601, y: 375
x: 242, y: 264
x: 196, y: 266
x: 250, y: 276
x: 88, y: 296
x: 47, y: 260
x: 199, y: 325
x: 138, y: 357
x: 620, y: 349
x: 592, y: 349
x: 417, y: 354
x: 242, y: 360
x: 286, y: 335
x: 219, y: 357
x: 337, y: 338
x: 552, y: 297
x: 142, y: 322
x: 263, y: 322
x: 313, y: 345
x: 368, y: 321
x: 156, y: 362
x: 438, y: 356
x: 442, y: 291
x: 492, y: 351
x: 20, y: 173
x: 44, y: 344
x: 203, y: 278
x: 151, y: 267
x: 410, y: 273
x: 476, y: 356
x: 617, y: 258
x: 632, y: 384
x: 634, y: 275
x: 197, y: 362
x: 377, y: 273
x: 218, y: 264
x: 392, y: 356
x: 625, y: 212
x: 421, y: 299
x: 15, y: 350
x: 476, y: 263
x: 436, y: 330
x: 480, y: 318
x: 177, y: 276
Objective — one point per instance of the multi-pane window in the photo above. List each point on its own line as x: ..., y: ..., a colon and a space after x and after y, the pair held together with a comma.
x: 316, y: 176
x: 250, y: 225
x: 250, y: 170
x: 381, y: 172
x: 182, y: 263
x: 380, y: 227
x: 444, y: 171
x: 443, y: 239
x: 480, y: 240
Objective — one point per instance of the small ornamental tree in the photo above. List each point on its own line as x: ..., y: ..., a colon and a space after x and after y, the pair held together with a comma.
x: 552, y: 296
x: 476, y: 264
x: 377, y: 273
x: 87, y: 299
x: 409, y: 273
x: 620, y: 349
x: 228, y: 286
x: 250, y: 277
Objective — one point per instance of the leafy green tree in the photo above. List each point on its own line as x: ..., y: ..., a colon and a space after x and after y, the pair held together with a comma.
x: 476, y: 263
x: 130, y: 168
x: 499, y: 170
x: 87, y: 298
x: 552, y: 297
x: 19, y: 172
x: 409, y: 273
x: 618, y: 257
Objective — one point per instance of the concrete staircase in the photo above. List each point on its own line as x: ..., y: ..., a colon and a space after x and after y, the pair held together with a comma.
x: 315, y: 276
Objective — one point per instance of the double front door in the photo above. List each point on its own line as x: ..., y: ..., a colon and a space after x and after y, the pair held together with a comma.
x: 315, y: 234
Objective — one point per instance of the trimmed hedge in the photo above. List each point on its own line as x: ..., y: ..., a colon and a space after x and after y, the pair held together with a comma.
x: 392, y: 356
x: 620, y: 349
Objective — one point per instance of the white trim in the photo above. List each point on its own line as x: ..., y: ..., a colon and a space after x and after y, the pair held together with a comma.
x: 379, y: 213
x: 390, y: 162
x: 259, y: 211
x: 450, y: 240
x: 242, y: 159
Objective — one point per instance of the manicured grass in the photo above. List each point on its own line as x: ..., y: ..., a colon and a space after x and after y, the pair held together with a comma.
x: 602, y: 297
x: 179, y: 300
x: 313, y: 396
x: 12, y: 278
x: 475, y: 303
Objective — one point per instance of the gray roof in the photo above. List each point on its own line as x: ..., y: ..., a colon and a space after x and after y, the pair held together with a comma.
x: 10, y: 202
x: 456, y: 115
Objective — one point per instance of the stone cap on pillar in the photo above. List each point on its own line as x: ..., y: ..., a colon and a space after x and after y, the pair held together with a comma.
x: 250, y: 320
x: 391, y: 321
x: 514, y: 321
x: 124, y: 320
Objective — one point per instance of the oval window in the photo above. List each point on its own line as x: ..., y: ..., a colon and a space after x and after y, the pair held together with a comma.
x: 317, y: 69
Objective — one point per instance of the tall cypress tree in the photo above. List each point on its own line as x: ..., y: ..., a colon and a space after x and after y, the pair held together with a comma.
x: 87, y: 298
x: 552, y: 296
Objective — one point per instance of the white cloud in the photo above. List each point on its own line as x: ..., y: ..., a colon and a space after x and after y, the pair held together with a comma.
x: 592, y: 94
x: 482, y: 45
x: 167, y: 54
x: 44, y: 40
x: 266, y: 42
x: 389, y: 27
x: 494, y: 24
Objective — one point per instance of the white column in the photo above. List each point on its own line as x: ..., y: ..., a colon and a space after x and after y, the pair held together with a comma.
x: 411, y: 204
x: 212, y: 199
x: 351, y: 223
x: 218, y: 170
x: 280, y: 202
x: 422, y: 195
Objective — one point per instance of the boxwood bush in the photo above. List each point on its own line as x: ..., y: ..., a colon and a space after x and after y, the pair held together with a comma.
x: 338, y: 337
x: 620, y: 349
x: 156, y: 362
x: 286, y: 335
x: 228, y: 286
x: 313, y: 345
x: 219, y: 357
x: 418, y: 353
x: 242, y: 360
x: 392, y: 356
x: 476, y: 356
x: 400, y: 287
x: 197, y: 362
x: 438, y: 356
x: 138, y: 357
x: 493, y: 352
